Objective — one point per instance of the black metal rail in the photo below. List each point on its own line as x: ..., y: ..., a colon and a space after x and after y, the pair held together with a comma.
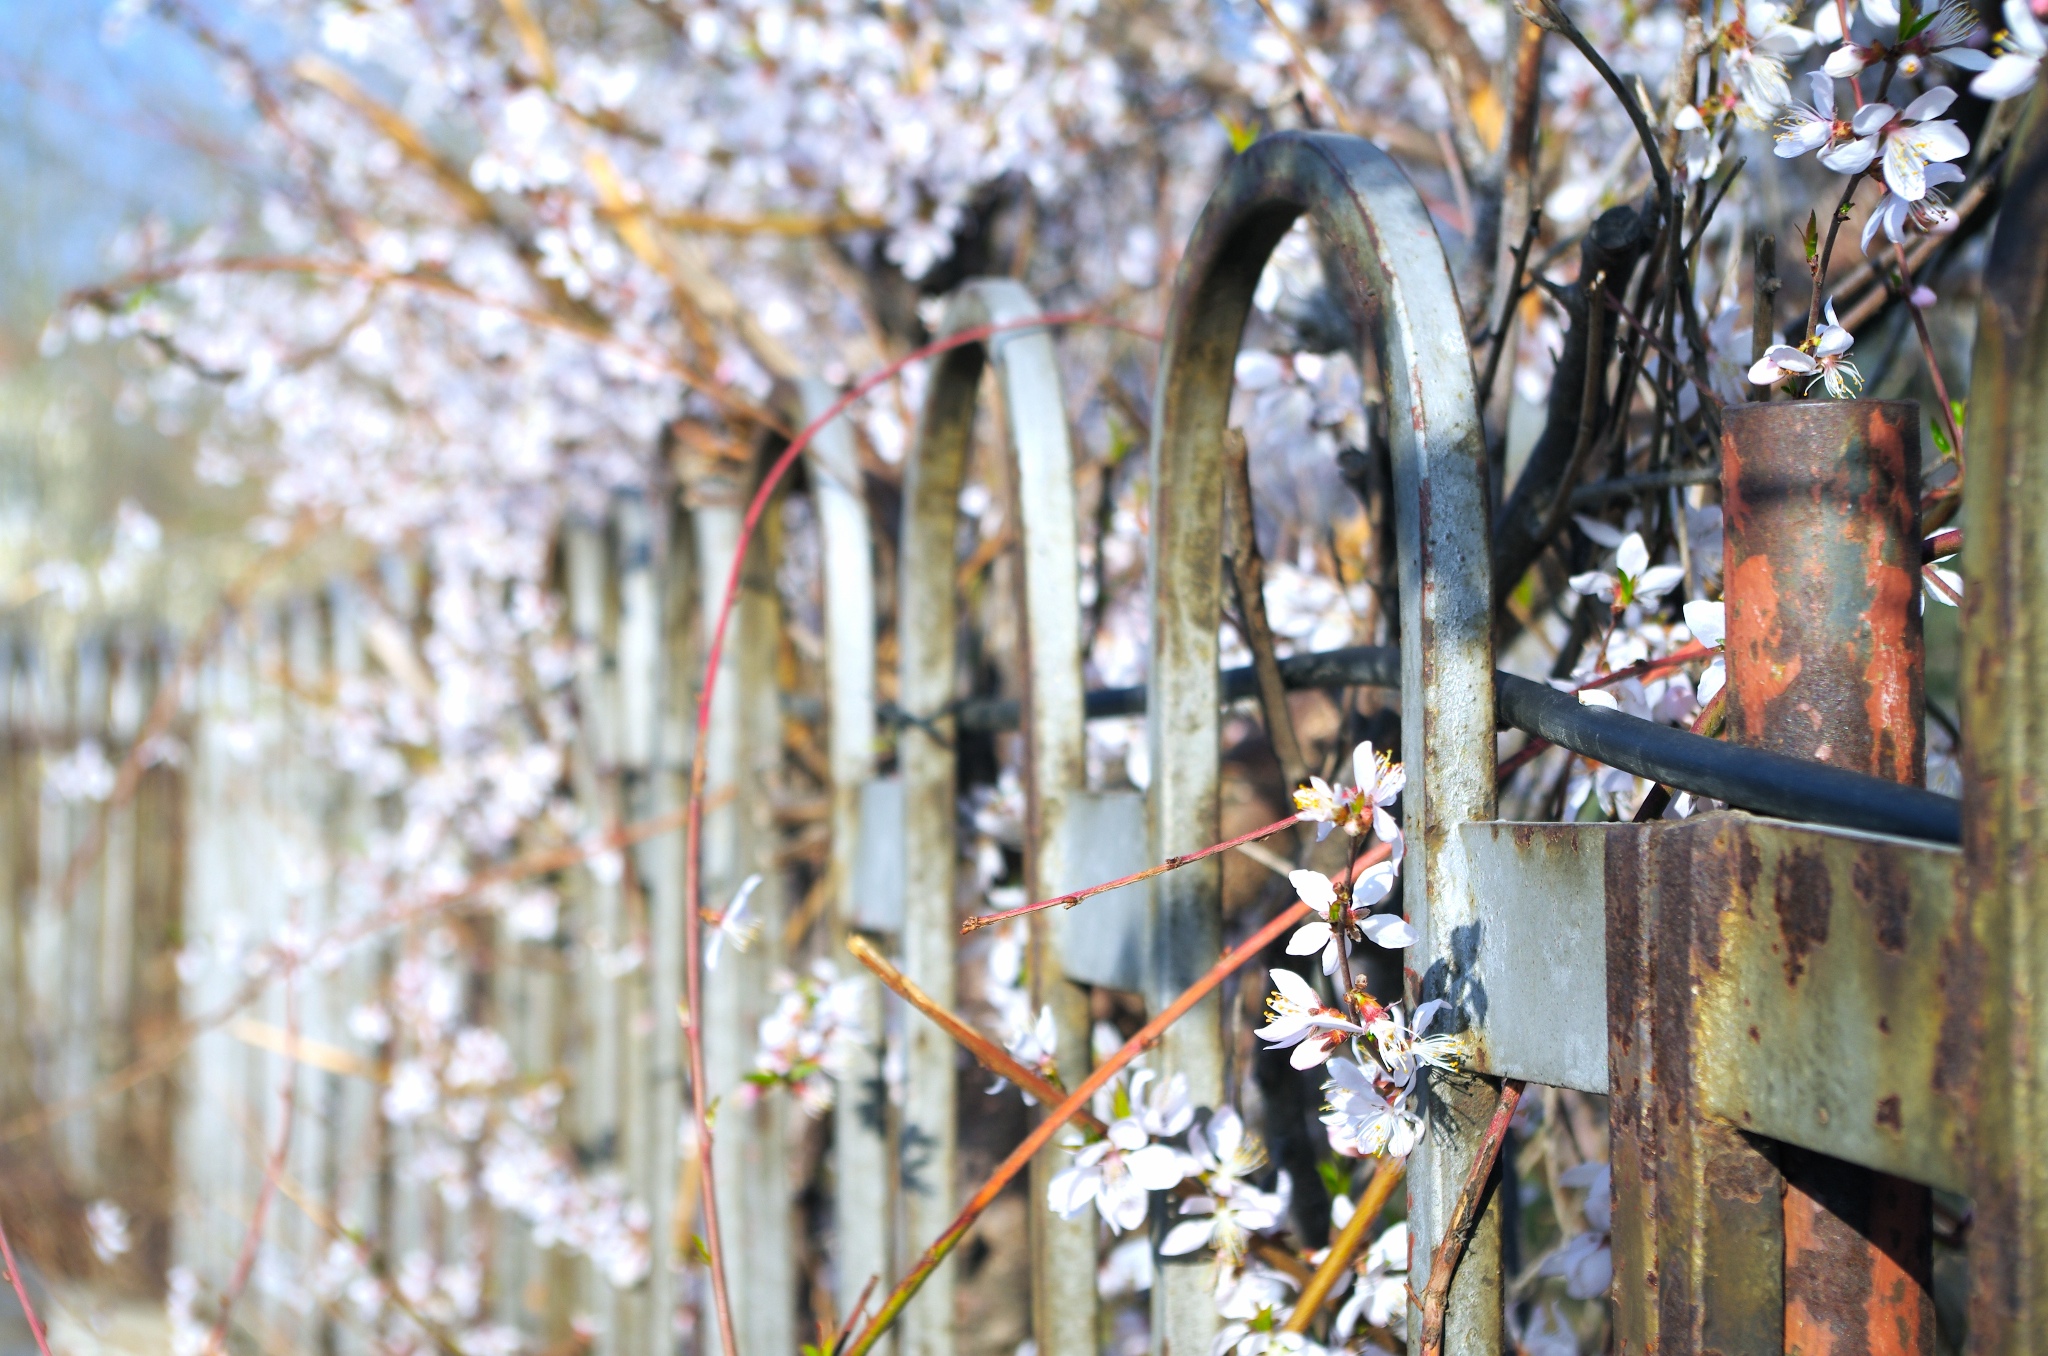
x: 1764, y: 783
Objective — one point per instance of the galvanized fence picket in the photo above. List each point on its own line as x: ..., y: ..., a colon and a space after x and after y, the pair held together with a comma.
x: 927, y: 624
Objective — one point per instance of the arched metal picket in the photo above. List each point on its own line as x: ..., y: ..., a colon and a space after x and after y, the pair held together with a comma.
x: 927, y: 628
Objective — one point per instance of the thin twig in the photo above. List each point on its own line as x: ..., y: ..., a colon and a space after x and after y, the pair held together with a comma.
x: 1827, y: 253
x: 1170, y: 864
x: 35, y: 1324
x: 1308, y: 68
x: 1515, y: 292
x: 1346, y: 1244
x: 853, y: 1314
x: 1464, y: 1218
x: 993, y: 1057
x: 1948, y: 411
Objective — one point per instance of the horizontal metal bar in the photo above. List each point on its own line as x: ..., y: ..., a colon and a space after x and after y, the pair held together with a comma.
x: 1830, y: 1017
x: 1355, y: 666
x: 1750, y: 779
x: 1620, y: 487
x: 1534, y: 966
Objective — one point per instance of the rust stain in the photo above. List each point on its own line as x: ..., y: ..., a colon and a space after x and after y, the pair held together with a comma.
x: 1803, y: 896
x: 1888, y: 898
x: 1888, y: 1116
x: 1755, y: 634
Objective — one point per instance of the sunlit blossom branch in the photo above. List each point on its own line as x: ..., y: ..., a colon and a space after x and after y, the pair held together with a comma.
x: 1346, y: 1244
x: 1072, y: 898
x: 693, y: 825
x: 106, y: 296
x: 992, y: 1056
x: 28, y: 1310
x: 1913, y: 307
x: 1464, y: 1218
x: 1020, y: 1157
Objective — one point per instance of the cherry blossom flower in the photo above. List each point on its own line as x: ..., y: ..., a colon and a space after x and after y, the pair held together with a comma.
x: 1909, y: 141
x: 1362, y: 1122
x: 1342, y: 921
x: 1944, y: 37
x: 1757, y: 45
x: 106, y: 1225
x: 1378, y: 782
x: 1827, y: 365
x: 733, y: 924
x: 1634, y: 580
x: 1254, y: 1302
x: 1586, y: 1261
x: 1403, y: 1048
x: 2020, y: 48
x: 1117, y: 1172
x: 1699, y: 150
x: 1379, y: 1297
x: 1811, y: 127
x: 1931, y: 215
x: 1300, y: 1019
x: 1235, y: 1209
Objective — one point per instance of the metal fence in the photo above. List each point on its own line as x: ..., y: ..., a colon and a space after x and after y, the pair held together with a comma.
x: 1804, y: 1026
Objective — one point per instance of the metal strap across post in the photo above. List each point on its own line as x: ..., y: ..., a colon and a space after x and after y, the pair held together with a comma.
x: 1064, y: 1252
x: 1394, y: 273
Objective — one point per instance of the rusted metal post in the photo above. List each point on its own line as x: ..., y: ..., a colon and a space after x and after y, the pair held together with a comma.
x: 1371, y: 220
x: 2000, y: 949
x: 1825, y: 661
x: 1063, y: 1269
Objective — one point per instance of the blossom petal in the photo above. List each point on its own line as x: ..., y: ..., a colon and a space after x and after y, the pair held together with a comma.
x: 1308, y: 939
x: 1293, y: 988
x: 2008, y: 75
x: 1308, y: 1054
x: 1932, y: 104
x: 1632, y: 555
x: 1871, y: 118
x: 1313, y: 888
x: 1389, y: 930
x: 1187, y: 1236
x: 1851, y: 157
x: 1708, y: 622
x: 1659, y: 580
x: 1156, y: 1167
x: 1846, y: 62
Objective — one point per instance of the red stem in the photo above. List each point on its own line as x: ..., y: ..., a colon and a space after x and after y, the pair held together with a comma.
x: 1170, y: 864
x: 35, y: 1325
x: 1464, y: 1218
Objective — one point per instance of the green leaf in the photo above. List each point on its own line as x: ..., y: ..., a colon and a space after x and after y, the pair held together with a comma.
x: 697, y: 1246
x: 1336, y: 1177
x: 1241, y: 134
x: 1809, y: 235
x: 1940, y: 438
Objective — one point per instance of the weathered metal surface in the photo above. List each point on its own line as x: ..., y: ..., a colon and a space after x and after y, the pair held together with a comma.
x: 1391, y: 267
x: 1823, y: 582
x: 750, y: 1158
x: 1998, y: 947
x: 1825, y: 662
x: 1064, y: 1294
x: 1698, y: 1222
x: 1103, y: 940
x: 877, y: 904
x: 1536, y: 986
x: 860, y: 1145
x: 1817, y: 1017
